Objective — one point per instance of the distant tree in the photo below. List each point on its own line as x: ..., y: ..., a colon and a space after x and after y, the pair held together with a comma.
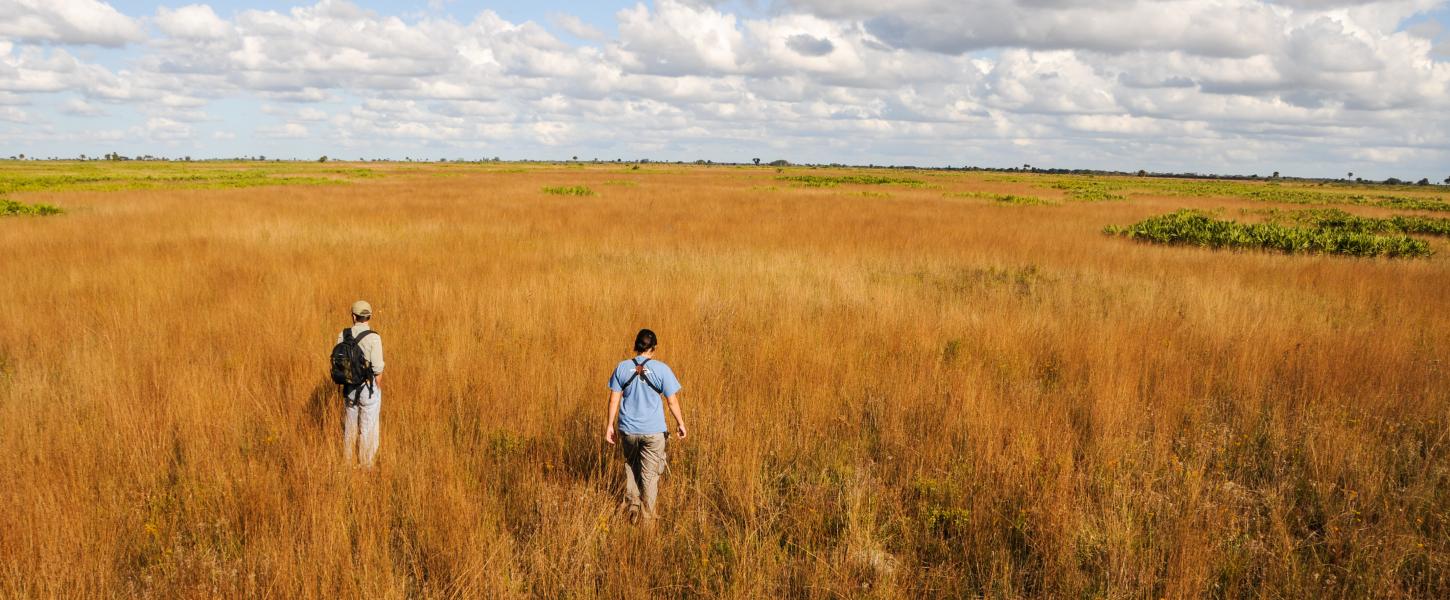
x: 187, y: 159
x: 757, y: 161
x: 322, y: 159
x: 1349, y: 175
x: 1423, y: 181
x: 1026, y: 167
x: 1393, y: 181
x: 22, y: 157
x: 1275, y: 175
x: 780, y: 163
x: 576, y: 159
x: 1142, y: 173
x: 1447, y: 181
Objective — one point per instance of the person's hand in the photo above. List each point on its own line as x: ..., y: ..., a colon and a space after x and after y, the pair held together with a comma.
x: 609, y: 435
x: 682, y: 432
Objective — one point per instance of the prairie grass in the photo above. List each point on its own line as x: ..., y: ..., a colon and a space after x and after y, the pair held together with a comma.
x: 900, y: 397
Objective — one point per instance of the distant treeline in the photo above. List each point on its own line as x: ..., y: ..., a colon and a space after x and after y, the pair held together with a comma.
x: 1275, y: 176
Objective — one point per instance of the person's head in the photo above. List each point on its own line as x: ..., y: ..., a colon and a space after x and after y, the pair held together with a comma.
x: 645, y: 341
x: 361, y: 311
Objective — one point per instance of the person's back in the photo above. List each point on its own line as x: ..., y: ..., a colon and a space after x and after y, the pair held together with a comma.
x: 363, y: 402
x: 636, y: 387
x: 641, y: 408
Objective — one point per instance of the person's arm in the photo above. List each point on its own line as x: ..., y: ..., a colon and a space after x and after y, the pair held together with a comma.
x: 376, y: 357
x: 609, y: 425
x: 674, y: 402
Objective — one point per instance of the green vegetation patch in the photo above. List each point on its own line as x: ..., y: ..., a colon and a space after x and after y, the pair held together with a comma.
x: 1196, y: 228
x: 108, y: 176
x: 622, y: 182
x: 1011, y: 199
x: 1279, y: 194
x: 825, y: 181
x: 568, y: 190
x: 1338, y: 220
x: 11, y: 208
x: 1093, y: 189
x: 1090, y: 191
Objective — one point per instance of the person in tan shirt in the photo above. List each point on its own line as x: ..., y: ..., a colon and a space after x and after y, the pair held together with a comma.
x: 360, y: 417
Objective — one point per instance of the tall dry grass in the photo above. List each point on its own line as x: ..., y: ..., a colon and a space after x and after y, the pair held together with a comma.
x: 893, y: 396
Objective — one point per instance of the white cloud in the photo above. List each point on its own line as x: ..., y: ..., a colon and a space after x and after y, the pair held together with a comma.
x: 576, y: 27
x: 67, y: 22
x: 286, y: 131
x: 194, y: 21
x: 81, y: 108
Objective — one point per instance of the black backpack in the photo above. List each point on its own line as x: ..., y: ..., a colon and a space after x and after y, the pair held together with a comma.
x: 640, y: 375
x: 350, y: 367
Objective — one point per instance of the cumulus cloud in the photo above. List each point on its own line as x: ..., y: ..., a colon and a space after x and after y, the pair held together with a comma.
x: 194, y: 21
x: 1188, y: 84
x: 67, y: 22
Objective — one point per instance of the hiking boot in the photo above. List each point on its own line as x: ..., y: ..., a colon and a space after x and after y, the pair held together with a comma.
x: 634, y: 515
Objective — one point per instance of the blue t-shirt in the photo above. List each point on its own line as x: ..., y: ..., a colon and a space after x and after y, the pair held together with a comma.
x: 641, y: 410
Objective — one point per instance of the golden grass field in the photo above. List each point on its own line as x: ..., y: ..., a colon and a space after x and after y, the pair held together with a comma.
x: 893, y: 391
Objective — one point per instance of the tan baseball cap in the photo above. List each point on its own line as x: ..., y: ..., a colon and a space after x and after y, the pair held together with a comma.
x: 361, y: 308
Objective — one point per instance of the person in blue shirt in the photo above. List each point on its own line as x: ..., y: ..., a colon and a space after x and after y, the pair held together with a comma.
x: 635, y: 389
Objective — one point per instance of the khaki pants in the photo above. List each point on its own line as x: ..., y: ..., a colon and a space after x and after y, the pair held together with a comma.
x: 360, y: 426
x: 644, y: 463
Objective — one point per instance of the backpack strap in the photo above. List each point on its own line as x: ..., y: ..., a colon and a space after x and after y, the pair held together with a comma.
x: 639, y: 373
x: 347, y: 335
x: 362, y: 335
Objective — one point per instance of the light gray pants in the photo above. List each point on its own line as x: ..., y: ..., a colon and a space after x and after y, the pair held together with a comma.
x: 644, y: 463
x: 360, y: 426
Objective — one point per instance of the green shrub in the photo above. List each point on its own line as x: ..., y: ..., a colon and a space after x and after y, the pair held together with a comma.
x: 1195, y: 228
x: 11, y: 208
x: 1003, y: 198
x: 1338, y: 220
x: 569, y: 190
x: 1090, y: 191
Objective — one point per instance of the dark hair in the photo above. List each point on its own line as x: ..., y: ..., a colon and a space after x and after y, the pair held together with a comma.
x: 645, y: 341
x: 360, y: 318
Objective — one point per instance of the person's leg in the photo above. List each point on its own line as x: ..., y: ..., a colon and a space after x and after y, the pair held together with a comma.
x: 349, y: 431
x: 652, y: 465
x: 368, y: 424
x: 630, y: 444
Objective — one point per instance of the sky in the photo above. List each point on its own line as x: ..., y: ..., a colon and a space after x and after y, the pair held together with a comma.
x: 1315, y: 88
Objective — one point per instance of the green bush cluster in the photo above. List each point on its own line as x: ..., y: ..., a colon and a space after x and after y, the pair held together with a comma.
x: 1100, y: 189
x: 1003, y: 198
x: 835, y: 180
x: 1195, y: 228
x: 1335, y: 219
x: 569, y: 190
x: 11, y: 208
x: 1090, y: 191
x: 106, y: 178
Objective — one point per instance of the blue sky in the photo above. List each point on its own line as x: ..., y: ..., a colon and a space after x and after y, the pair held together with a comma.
x: 1229, y: 86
